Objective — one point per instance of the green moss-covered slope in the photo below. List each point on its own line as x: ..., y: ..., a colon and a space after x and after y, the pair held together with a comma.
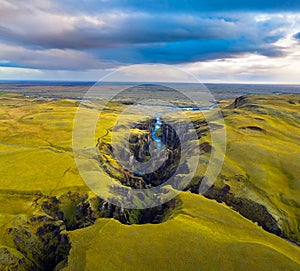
x: 203, y: 236
x: 260, y: 173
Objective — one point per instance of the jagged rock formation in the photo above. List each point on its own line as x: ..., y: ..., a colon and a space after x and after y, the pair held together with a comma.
x: 38, y: 242
x: 11, y: 259
x: 139, y: 142
x: 41, y: 241
x: 79, y: 210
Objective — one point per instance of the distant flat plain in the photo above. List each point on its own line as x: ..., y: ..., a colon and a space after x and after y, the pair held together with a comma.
x: 77, y: 90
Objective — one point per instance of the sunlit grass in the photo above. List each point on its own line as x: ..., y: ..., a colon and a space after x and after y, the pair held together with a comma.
x: 262, y: 145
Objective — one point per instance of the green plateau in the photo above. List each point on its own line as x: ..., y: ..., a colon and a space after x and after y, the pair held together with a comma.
x: 51, y: 220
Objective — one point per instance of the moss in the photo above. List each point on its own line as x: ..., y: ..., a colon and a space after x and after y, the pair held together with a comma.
x: 80, y: 211
x: 261, y: 169
x: 41, y: 241
x: 13, y: 260
x: 203, y: 235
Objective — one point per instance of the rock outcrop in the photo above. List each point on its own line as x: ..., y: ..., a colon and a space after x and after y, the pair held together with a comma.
x: 248, y: 208
x: 38, y: 243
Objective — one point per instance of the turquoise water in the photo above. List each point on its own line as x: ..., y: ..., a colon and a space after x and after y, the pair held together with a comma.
x: 156, y: 127
x: 157, y: 124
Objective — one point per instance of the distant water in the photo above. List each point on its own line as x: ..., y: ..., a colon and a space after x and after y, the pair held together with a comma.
x: 76, y: 90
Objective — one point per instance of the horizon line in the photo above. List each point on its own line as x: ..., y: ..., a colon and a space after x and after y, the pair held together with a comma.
x: 3, y: 81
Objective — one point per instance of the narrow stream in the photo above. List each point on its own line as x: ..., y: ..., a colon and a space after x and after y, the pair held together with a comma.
x: 157, y: 125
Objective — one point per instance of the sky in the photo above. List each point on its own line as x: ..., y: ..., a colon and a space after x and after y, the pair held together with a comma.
x: 217, y: 41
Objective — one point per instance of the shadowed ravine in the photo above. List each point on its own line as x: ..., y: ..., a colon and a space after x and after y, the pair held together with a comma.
x: 163, y: 135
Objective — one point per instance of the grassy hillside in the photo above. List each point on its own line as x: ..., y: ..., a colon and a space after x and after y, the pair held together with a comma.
x: 35, y: 143
x: 260, y: 173
x: 263, y: 155
x: 203, y: 235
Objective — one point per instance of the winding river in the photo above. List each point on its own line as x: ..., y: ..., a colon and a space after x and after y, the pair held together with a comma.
x: 157, y: 124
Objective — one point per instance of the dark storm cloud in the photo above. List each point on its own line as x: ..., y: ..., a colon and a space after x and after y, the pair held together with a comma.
x: 190, y: 51
x: 57, y: 35
x: 129, y: 29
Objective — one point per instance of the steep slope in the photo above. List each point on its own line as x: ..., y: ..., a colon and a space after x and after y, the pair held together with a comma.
x: 203, y: 235
x: 261, y: 167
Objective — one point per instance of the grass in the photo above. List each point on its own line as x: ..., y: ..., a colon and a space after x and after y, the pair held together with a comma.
x: 270, y: 159
x: 35, y: 145
x: 203, y: 236
x: 36, y: 158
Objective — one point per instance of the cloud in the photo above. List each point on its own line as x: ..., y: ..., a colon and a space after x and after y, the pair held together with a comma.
x: 297, y: 36
x: 112, y: 29
x: 51, y: 59
x: 48, y: 28
x: 99, y: 35
x: 249, y: 68
x: 137, y: 37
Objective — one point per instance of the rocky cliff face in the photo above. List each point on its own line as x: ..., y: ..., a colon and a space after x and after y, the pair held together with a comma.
x: 248, y: 208
x: 80, y: 210
x: 139, y: 143
x: 259, y: 213
x: 11, y: 259
x: 40, y: 241
x: 36, y: 243
x: 260, y: 177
